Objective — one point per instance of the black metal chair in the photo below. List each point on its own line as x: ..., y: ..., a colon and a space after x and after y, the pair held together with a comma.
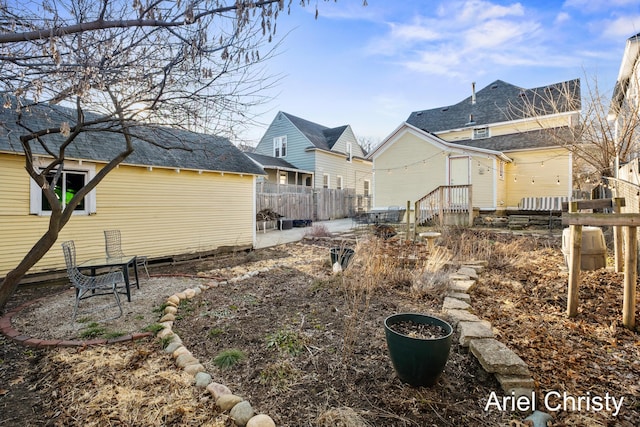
x: 113, y: 248
x: 89, y: 286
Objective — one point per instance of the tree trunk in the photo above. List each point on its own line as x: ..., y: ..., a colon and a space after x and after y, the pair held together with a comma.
x: 10, y: 283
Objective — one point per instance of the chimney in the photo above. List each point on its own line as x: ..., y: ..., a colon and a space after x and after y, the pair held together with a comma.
x: 473, y: 93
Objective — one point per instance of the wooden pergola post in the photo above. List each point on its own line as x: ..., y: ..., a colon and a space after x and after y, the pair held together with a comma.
x: 618, y: 203
x: 630, y: 277
x: 575, y: 243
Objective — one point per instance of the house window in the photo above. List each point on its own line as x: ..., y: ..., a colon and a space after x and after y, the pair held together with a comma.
x: 280, y: 146
x: 501, y: 170
x: 325, y: 180
x: 339, y: 182
x: 70, y: 181
x: 367, y: 185
x: 349, y: 151
x: 480, y: 133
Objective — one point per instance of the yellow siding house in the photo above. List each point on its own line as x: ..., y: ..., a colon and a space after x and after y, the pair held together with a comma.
x: 499, y: 141
x: 197, y: 197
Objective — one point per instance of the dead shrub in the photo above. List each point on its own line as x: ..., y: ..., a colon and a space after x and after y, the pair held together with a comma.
x: 318, y: 230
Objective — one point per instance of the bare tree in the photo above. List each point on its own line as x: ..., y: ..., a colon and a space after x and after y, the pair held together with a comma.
x: 595, y: 140
x: 120, y: 63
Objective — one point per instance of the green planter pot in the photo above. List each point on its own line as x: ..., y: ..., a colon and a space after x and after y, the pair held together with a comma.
x: 418, y: 361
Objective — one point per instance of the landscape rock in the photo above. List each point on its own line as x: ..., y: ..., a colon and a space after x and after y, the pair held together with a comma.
x: 512, y: 382
x: 186, y: 359
x: 228, y: 401
x: 216, y: 390
x: 457, y: 316
x: 454, y: 304
x: 172, y: 346
x: 194, y: 368
x: 495, y: 357
x: 461, y: 285
x: 462, y: 296
x: 261, y: 420
x: 202, y: 379
x: 476, y: 331
x: 469, y: 272
x: 242, y: 413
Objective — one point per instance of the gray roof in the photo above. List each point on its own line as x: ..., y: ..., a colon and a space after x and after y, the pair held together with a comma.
x: 320, y: 136
x: 498, y: 102
x: 153, y: 145
x: 520, y: 140
x: 271, y: 162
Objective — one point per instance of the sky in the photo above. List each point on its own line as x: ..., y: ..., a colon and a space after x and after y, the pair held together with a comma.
x: 370, y: 67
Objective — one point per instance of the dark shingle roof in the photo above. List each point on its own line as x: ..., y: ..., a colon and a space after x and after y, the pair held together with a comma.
x: 270, y: 162
x: 498, y: 102
x: 520, y: 140
x: 320, y: 136
x: 153, y: 145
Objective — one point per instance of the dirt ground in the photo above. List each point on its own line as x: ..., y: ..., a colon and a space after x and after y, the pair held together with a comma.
x: 312, y: 348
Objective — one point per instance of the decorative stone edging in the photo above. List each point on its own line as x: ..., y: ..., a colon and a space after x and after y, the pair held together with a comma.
x: 240, y: 410
x: 496, y: 358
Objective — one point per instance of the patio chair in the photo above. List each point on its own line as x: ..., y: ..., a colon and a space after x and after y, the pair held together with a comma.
x: 89, y: 286
x: 113, y: 248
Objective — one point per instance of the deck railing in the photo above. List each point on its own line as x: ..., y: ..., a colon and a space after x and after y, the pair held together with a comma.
x: 446, y: 199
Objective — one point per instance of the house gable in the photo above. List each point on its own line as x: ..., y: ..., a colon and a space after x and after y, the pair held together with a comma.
x: 317, y: 148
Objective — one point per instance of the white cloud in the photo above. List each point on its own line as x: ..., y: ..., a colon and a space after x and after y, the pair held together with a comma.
x: 460, y: 36
x: 562, y: 17
x: 413, y: 32
x: 620, y: 28
x: 478, y: 10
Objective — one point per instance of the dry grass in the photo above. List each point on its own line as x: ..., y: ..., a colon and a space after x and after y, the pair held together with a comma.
x: 341, y: 417
x: 152, y: 393
x: 380, y: 264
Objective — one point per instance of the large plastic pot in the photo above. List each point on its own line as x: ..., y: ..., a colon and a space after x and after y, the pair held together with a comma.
x: 341, y: 255
x: 418, y: 361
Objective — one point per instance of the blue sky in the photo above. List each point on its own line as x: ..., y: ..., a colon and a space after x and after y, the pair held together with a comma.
x: 370, y: 67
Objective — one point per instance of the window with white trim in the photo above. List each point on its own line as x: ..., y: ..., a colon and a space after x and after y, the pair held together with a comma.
x: 325, y: 180
x: 71, y: 180
x: 280, y: 146
x: 366, y: 187
x: 481, y: 133
x: 339, y: 182
x: 349, y: 151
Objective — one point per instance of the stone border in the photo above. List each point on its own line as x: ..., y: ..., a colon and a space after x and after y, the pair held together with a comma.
x: 476, y: 334
x: 240, y: 410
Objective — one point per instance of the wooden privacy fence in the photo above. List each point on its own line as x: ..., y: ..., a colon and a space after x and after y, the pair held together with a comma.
x: 298, y: 202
